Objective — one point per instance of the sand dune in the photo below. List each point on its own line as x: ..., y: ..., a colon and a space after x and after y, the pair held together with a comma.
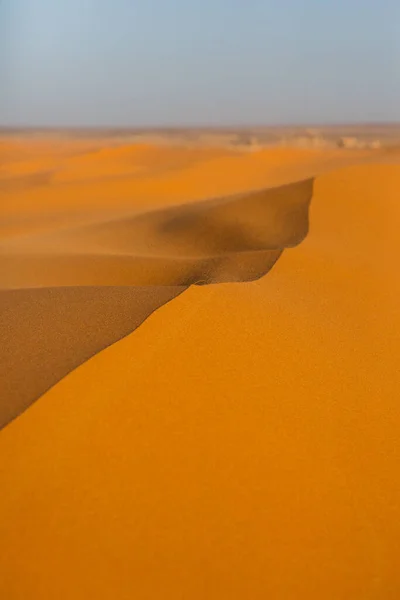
x: 232, y: 239
x: 243, y: 441
x: 223, y: 240
x: 256, y: 220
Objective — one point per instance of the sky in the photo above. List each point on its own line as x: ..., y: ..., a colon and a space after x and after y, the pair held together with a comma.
x: 139, y: 63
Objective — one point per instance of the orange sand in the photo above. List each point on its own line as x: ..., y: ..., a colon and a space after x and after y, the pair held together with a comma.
x: 243, y: 442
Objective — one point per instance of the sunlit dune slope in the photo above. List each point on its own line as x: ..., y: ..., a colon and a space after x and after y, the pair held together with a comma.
x: 241, y: 443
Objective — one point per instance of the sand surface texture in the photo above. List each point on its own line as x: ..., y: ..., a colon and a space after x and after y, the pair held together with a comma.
x: 199, y: 372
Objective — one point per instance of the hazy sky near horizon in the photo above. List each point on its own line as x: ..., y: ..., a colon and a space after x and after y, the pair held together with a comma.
x: 198, y: 62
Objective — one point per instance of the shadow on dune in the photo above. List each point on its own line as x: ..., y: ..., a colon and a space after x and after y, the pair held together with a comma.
x: 48, y: 332
x: 65, y: 297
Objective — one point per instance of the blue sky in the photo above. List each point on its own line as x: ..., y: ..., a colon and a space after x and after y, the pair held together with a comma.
x: 198, y: 62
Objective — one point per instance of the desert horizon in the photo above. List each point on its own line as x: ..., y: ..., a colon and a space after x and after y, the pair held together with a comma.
x: 385, y: 132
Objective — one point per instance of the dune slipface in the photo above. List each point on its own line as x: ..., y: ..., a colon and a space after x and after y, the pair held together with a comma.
x: 243, y: 441
x: 47, y: 332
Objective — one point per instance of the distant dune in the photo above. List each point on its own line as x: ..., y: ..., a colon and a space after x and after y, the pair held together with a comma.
x: 229, y: 239
x: 179, y: 419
